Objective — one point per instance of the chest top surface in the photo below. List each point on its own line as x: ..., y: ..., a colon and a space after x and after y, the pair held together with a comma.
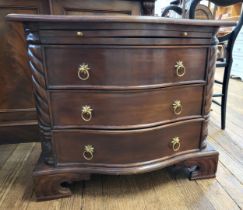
x: 57, y: 21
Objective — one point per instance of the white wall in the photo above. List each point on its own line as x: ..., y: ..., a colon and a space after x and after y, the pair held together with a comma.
x: 159, y: 4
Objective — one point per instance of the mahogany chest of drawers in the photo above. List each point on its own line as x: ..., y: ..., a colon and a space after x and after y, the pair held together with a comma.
x: 120, y: 96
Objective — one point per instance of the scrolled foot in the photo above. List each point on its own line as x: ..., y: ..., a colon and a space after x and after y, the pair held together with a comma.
x: 200, y: 166
x: 49, y: 182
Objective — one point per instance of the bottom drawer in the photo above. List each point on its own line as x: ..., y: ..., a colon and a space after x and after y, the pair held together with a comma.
x: 125, y: 147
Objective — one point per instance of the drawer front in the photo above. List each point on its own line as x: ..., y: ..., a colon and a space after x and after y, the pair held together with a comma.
x: 125, y: 109
x: 122, y: 67
x: 126, y: 147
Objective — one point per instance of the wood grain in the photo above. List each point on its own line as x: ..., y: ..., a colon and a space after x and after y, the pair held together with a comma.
x: 157, y: 190
x: 130, y: 148
x: 211, y: 66
x: 41, y: 100
x: 17, y: 162
x: 131, y: 66
x: 105, y: 7
x: 20, y: 196
x: 127, y: 19
x: 124, y: 109
x: 17, y: 113
x: 51, y: 182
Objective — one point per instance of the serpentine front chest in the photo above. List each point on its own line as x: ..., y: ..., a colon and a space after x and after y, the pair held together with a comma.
x: 120, y: 95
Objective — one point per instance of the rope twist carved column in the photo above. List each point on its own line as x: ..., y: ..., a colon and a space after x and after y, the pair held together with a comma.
x: 208, y: 92
x: 41, y: 100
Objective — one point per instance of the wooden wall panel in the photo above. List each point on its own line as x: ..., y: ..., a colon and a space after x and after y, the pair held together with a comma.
x: 95, y: 7
x: 17, y: 113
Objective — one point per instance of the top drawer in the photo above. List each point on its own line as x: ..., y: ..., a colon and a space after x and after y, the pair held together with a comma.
x: 106, y: 67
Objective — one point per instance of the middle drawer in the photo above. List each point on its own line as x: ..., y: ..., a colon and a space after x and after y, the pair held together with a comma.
x: 125, y: 109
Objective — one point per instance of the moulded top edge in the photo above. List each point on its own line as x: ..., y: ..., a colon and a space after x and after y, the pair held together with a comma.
x: 116, y: 19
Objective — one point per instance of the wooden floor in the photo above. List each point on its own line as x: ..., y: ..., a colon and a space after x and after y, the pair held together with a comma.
x: 157, y: 190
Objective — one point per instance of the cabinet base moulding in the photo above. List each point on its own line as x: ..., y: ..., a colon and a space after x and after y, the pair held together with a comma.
x: 49, y: 181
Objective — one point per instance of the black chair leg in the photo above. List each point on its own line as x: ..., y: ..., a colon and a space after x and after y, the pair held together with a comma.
x: 230, y: 39
x: 225, y: 89
x: 223, y: 111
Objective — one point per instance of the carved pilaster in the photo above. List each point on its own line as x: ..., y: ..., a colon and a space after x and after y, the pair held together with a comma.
x: 210, y: 78
x: 41, y: 100
x: 148, y: 7
x: 208, y: 92
x: 204, y: 133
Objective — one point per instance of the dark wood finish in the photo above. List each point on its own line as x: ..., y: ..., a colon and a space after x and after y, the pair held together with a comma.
x: 129, y: 41
x: 17, y: 110
x: 97, y: 7
x: 139, y: 146
x: 133, y: 66
x: 202, y: 167
x: 21, y: 131
x: 202, y: 164
x: 104, y: 7
x: 149, y: 22
x: 125, y: 109
x: 63, y: 35
x: 41, y: 101
x: 208, y: 91
x: 132, y: 126
x: 54, y: 182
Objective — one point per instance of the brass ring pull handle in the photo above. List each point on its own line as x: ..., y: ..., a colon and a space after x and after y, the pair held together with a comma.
x: 176, y: 144
x: 86, y: 113
x: 177, y: 107
x: 180, y: 69
x: 88, y: 153
x: 83, y: 71
x: 185, y: 33
x: 80, y: 33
